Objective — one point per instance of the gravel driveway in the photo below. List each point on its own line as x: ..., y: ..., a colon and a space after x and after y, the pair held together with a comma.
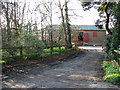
x: 83, y: 71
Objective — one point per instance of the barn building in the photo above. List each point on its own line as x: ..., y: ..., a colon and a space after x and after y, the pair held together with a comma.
x: 81, y: 34
x: 88, y: 34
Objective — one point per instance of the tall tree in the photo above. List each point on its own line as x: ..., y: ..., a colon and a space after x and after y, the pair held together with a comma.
x: 0, y: 30
x: 68, y: 25
x: 8, y: 22
x: 63, y: 21
x: 102, y: 7
x: 51, y: 34
x: 106, y: 7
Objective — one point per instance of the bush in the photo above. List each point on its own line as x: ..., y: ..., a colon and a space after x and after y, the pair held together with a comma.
x: 112, y: 78
x: 107, y: 46
x: 106, y: 64
x: 112, y: 43
x: 111, y: 72
x: 112, y: 69
x: 115, y: 44
x: 36, y: 45
x: 22, y: 39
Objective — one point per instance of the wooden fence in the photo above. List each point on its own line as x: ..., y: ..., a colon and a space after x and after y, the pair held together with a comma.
x: 21, y: 49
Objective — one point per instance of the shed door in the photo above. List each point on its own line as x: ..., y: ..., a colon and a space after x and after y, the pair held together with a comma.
x: 85, y: 37
x: 80, y: 36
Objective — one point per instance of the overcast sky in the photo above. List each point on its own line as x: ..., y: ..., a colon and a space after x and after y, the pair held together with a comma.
x: 74, y: 6
x: 83, y: 17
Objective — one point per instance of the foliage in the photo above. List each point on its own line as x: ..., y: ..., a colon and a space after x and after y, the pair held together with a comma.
x: 32, y: 40
x: 106, y: 64
x: 106, y: 12
x: 23, y: 39
x: 112, y: 42
x: 115, y: 44
x: 112, y: 73
x: 31, y: 54
x: 107, y: 46
x: 18, y: 33
x: 112, y: 78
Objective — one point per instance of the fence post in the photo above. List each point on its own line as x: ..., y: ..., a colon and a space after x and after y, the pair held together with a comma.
x: 59, y: 49
x: 51, y: 51
x: 66, y: 48
x: 21, y: 51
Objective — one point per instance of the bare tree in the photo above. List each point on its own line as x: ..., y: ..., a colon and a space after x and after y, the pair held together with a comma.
x: 63, y: 21
x: 68, y: 25
x: 51, y: 35
x: 46, y: 13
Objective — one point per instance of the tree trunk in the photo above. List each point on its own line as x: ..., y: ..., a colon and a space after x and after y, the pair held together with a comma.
x: 51, y: 36
x: 42, y: 31
x: 8, y: 24
x: 63, y: 23
x: 107, y: 18
x: 68, y: 26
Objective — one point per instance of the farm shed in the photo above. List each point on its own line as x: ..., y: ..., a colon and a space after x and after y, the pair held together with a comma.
x: 88, y: 34
x: 81, y: 34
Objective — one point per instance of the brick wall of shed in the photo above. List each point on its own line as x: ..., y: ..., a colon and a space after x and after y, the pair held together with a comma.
x: 96, y: 40
x: 92, y: 40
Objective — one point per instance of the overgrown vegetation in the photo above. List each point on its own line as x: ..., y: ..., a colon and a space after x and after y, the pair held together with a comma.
x: 112, y: 73
x: 36, y: 55
x: 33, y: 55
x: 27, y: 37
x: 26, y: 43
x: 111, y: 44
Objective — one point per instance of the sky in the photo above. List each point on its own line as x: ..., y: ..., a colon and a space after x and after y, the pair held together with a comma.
x: 76, y: 13
x: 83, y: 17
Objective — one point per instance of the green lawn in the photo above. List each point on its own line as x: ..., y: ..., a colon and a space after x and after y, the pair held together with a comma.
x: 46, y: 52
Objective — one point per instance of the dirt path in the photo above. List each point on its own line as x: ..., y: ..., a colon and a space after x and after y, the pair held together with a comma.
x: 84, y: 71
